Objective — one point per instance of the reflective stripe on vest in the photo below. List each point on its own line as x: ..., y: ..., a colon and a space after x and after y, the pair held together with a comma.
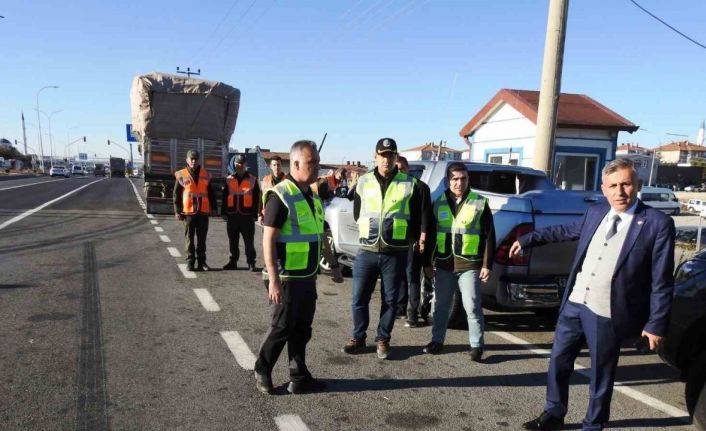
x: 462, y: 230
x: 301, y: 233
x: 195, y: 196
x: 385, y: 219
x: 244, y: 192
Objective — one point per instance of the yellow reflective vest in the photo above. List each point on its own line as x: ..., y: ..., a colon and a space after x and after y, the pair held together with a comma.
x: 458, y: 235
x: 383, y: 222
x: 301, y: 233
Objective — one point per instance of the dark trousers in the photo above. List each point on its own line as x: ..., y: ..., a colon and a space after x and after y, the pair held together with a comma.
x: 410, y: 288
x: 291, y: 325
x: 238, y: 225
x: 195, y: 225
x: 577, y: 324
x: 366, y: 269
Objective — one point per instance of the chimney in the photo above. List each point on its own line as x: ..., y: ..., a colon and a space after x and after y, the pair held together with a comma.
x: 358, y: 163
x: 348, y: 162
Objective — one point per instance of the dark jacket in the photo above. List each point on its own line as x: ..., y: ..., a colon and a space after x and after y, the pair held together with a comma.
x: 642, y: 284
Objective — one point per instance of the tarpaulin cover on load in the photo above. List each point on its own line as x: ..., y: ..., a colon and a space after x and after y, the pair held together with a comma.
x: 172, y: 106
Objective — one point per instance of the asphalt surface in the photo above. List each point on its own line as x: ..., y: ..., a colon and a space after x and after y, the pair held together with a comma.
x: 102, y: 330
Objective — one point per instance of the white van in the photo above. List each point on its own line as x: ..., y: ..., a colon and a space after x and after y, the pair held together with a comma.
x: 661, y: 199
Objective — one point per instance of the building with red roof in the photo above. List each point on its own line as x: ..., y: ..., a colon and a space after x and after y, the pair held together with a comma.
x: 505, y: 129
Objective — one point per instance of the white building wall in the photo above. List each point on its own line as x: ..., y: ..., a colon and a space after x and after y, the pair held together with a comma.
x: 411, y: 155
x: 505, y: 129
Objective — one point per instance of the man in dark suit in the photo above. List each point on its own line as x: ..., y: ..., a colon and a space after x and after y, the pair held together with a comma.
x: 620, y: 286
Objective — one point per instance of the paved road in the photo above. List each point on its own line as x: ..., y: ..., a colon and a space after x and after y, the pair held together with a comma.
x: 102, y: 330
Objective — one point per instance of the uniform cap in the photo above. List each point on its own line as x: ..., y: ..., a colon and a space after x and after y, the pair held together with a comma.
x: 192, y: 154
x: 239, y: 159
x: 386, y: 145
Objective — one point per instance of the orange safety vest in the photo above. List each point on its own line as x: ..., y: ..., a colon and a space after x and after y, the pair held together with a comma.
x: 240, y: 194
x: 269, y: 181
x: 195, y: 195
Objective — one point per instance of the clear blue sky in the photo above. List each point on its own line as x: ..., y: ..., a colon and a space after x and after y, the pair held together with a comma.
x: 413, y: 70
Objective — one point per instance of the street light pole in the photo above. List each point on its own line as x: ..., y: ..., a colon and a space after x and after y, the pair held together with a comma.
x: 39, y: 122
x: 51, y: 136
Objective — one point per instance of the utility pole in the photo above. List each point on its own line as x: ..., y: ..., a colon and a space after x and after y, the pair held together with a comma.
x: 550, y: 85
x: 24, y: 132
x: 188, y: 72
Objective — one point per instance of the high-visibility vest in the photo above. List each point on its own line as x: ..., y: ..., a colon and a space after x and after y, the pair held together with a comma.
x: 240, y: 194
x: 301, y: 233
x: 194, y: 198
x: 458, y: 235
x: 270, y: 181
x: 383, y: 222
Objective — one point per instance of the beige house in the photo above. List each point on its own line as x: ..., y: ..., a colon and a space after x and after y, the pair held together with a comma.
x: 431, y: 151
x: 680, y: 153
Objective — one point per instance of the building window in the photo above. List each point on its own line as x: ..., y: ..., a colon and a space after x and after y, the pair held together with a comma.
x: 498, y: 160
x: 504, y: 158
x: 575, y: 172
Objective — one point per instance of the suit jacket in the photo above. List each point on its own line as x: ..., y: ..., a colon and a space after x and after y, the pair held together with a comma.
x: 643, y: 281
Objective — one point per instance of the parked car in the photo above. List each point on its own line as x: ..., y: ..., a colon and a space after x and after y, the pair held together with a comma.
x: 57, y: 171
x: 696, y: 205
x: 692, y: 188
x: 684, y: 346
x: 521, y: 199
x: 99, y: 169
x: 661, y: 199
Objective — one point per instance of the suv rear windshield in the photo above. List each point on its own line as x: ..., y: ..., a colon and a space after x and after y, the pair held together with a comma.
x: 507, y: 182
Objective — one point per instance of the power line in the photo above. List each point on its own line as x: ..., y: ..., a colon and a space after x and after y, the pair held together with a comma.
x: 663, y: 22
x: 216, y: 28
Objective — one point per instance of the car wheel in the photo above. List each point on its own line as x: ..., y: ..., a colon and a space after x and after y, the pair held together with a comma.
x: 696, y: 377
x: 676, y: 212
x: 691, y: 209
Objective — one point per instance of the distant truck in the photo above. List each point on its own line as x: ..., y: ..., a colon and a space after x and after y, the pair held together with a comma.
x: 173, y: 114
x: 117, y: 167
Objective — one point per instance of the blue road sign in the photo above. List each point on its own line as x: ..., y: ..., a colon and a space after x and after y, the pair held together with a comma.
x: 130, y: 136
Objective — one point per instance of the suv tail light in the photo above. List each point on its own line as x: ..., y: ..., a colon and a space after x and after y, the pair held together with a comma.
x: 502, y: 254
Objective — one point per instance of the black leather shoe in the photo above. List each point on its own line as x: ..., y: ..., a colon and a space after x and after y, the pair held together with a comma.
x: 476, y: 354
x: 230, y: 266
x: 190, y: 266
x: 263, y: 383
x: 545, y: 422
x: 201, y: 267
x: 305, y: 386
x: 252, y: 267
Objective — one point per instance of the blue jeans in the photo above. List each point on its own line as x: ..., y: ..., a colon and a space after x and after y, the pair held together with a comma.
x: 446, y: 283
x: 366, y: 269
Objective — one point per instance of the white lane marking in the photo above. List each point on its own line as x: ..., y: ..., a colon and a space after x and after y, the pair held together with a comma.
x: 150, y: 216
x: 619, y: 386
x: 154, y: 221
x: 27, y: 185
x: 158, y: 229
x: 173, y: 251
x: 137, y: 194
x: 165, y: 238
x: 28, y: 213
x: 290, y: 423
x: 185, y: 272
x: 240, y: 349
x: 207, y: 300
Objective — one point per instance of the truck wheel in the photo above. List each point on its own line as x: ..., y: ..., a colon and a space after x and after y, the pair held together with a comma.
x: 457, y: 316
x: 149, y: 209
x: 696, y: 377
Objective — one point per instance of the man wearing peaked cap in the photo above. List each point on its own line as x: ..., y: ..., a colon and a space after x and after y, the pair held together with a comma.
x: 241, y: 206
x: 387, y: 206
x: 194, y: 201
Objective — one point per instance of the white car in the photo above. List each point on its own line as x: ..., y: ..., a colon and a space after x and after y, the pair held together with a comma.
x: 696, y: 205
x: 77, y: 170
x: 57, y: 171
